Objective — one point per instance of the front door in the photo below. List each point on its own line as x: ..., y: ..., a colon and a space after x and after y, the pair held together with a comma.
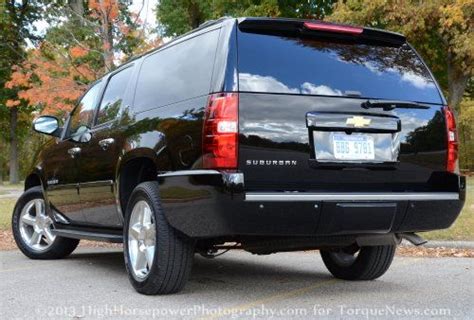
x: 61, y: 164
x: 62, y: 189
x: 100, y: 155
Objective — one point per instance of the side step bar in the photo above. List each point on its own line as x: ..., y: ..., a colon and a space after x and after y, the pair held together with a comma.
x: 308, y: 196
x: 79, y: 234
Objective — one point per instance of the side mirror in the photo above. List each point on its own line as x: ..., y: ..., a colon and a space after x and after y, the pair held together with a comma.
x: 47, y: 125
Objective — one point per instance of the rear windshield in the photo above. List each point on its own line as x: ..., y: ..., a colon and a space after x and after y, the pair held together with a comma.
x: 278, y: 64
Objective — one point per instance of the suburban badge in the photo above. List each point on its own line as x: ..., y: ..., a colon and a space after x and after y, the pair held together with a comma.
x: 271, y: 162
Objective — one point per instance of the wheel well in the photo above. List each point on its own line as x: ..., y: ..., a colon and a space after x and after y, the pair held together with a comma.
x: 132, y: 174
x: 32, y: 181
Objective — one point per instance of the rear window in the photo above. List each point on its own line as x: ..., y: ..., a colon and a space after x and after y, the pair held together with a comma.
x: 278, y: 64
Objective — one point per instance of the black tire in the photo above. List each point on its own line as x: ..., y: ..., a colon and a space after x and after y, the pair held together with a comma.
x: 173, y: 256
x: 368, y: 263
x: 60, y: 247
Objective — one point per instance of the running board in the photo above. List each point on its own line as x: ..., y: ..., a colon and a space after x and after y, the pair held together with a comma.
x: 97, y: 236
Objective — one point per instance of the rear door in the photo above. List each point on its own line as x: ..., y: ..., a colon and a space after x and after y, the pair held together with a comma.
x: 100, y: 155
x: 324, y: 113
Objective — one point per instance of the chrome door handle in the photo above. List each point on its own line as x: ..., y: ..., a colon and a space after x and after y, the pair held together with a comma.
x: 73, y: 152
x: 105, y: 143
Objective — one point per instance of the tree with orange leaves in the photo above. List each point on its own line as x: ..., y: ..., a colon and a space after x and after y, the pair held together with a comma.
x: 107, y: 13
x: 74, y: 53
x: 84, y: 39
x: 51, y: 78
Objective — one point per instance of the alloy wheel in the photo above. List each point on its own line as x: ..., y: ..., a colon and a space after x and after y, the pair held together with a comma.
x: 36, y: 226
x: 141, y: 240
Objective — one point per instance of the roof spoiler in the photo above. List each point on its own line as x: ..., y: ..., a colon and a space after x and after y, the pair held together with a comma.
x: 319, y: 28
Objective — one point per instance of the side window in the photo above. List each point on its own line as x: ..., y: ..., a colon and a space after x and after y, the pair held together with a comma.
x: 83, y: 114
x: 177, y: 73
x: 113, y: 96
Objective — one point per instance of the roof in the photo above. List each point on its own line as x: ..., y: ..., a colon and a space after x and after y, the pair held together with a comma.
x: 281, y: 24
x: 298, y: 26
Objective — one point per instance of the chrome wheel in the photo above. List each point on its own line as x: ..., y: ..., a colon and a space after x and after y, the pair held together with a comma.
x: 36, y: 226
x: 141, y: 240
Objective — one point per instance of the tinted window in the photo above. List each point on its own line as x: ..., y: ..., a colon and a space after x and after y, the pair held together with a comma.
x: 113, y: 96
x: 83, y: 114
x: 269, y: 63
x: 177, y: 73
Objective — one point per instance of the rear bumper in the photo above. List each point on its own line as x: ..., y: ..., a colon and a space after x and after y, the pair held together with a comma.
x: 207, y: 204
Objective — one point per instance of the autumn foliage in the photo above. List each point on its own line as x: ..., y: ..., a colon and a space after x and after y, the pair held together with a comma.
x: 107, y: 9
x: 57, y: 72
x: 51, y: 79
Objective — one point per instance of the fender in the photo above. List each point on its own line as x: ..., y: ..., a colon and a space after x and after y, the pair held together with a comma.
x: 37, y: 174
x: 149, y: 145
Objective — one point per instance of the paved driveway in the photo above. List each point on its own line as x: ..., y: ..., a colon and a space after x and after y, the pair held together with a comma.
x: 92, y: 283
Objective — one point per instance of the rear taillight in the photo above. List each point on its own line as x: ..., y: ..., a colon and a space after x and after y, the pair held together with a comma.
x: 328, y: 27
x: 452, y: 163
x: 221, y: 131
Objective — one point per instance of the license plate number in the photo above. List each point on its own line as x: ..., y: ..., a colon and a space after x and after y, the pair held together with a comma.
x: 353, y: 147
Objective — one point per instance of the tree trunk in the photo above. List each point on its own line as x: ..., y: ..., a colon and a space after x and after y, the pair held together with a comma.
x: 107, y: 36
x: 109, y: 53
x: 195, y: 14
x: 107, y: 43
x: 457, y: 82
x: 77, y: 6
x: 1, y: 163
x: 14, y: 168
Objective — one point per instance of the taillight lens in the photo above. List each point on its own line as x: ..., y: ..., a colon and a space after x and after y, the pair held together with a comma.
x: 452, y: 163
x: 221, y: 131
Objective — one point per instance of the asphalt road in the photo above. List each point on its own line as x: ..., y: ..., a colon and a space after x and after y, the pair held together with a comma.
x: 92, y: 283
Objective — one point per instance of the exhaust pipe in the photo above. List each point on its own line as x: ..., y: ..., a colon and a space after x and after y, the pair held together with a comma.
x: 413, y: 238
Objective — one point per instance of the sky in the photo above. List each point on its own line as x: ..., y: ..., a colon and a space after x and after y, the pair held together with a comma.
x: 147, y: 13
x: 145, y: 7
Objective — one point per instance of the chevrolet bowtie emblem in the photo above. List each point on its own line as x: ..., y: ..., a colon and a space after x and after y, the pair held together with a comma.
x: 358, y: 122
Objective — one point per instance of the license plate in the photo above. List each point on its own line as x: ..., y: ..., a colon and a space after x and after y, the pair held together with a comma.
x: 353, y: 147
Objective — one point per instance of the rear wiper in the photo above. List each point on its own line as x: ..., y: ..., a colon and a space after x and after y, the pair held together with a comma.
x: 392, y: 104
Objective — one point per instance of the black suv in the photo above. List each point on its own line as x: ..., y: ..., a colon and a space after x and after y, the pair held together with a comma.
x: 259, y: 134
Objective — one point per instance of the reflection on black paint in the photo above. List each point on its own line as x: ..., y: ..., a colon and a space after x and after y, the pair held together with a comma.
x: 273, y: 128
x: 180, y: 194
x: 259, y: 142
x: 276, y: 64
x: 427, y: 138
x: 182, y: 131
x: 176, y: 73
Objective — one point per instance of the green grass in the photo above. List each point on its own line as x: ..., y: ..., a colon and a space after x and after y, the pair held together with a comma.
x: 6, y: 209
x: 463, y: 227
x: 8, y: 186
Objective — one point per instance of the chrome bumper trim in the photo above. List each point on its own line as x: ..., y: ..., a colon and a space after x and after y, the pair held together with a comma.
x: 300, y: 196
x: 187, y: 173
